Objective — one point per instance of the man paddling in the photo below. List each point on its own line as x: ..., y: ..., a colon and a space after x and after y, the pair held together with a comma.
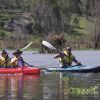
x: 17, y: 60
x: 4, y: 59
x: 66, y: 58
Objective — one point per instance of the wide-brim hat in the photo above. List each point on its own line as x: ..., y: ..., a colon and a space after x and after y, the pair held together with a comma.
x: 17, y: 52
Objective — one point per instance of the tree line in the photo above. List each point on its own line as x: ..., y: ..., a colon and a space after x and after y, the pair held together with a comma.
x: 57, y: 16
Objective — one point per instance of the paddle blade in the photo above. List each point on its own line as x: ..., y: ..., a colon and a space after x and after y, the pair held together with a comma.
x: 47, y: 44
x: 26, y: 46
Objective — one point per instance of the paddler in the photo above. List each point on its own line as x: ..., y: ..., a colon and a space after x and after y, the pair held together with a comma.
x: 66, y: 58
x: 4, y: 59
x: 17, y: 60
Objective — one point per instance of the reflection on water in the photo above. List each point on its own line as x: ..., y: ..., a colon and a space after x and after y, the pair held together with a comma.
x: 2, y: 86
x: 72, y: 86
x: 82, y: 86
x: 30, y: 88
x: 50, y: 86
x: 19, y: 87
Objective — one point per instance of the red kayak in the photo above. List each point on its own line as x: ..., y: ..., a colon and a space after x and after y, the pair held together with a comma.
x: 24, y: 70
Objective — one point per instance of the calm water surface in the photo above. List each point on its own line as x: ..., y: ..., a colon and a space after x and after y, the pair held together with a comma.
x: 53, y: 85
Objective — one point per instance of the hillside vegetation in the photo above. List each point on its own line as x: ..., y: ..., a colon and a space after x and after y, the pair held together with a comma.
x: 22, y: 21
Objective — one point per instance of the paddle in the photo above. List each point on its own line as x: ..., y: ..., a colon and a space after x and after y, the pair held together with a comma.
x: 26, y: 46
x: 28, y: 64
x: 47, y: 44
x: 24, y: 49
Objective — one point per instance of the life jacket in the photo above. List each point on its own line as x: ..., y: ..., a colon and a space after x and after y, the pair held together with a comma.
x: 15, y: 62
x: 66, y: 60
x: 5, y: 62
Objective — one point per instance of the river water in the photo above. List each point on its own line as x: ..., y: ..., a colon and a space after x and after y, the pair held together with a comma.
x: 53, y: 85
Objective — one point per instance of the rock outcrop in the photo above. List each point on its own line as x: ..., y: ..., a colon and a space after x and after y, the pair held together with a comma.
x: 21, y: 24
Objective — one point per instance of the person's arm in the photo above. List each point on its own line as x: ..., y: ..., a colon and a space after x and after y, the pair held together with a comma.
x: 57, y: 56
x: 13, y: 62
x: 8, y: 61
x: 60, y: 55
x: 77, y: 62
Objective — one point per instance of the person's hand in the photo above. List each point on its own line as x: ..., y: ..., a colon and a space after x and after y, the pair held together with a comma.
x: 79, y: 63
x: 19, y: 58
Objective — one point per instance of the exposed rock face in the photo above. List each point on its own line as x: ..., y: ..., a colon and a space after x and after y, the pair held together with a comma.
x: 22, y: 24
x: 10, y: 25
